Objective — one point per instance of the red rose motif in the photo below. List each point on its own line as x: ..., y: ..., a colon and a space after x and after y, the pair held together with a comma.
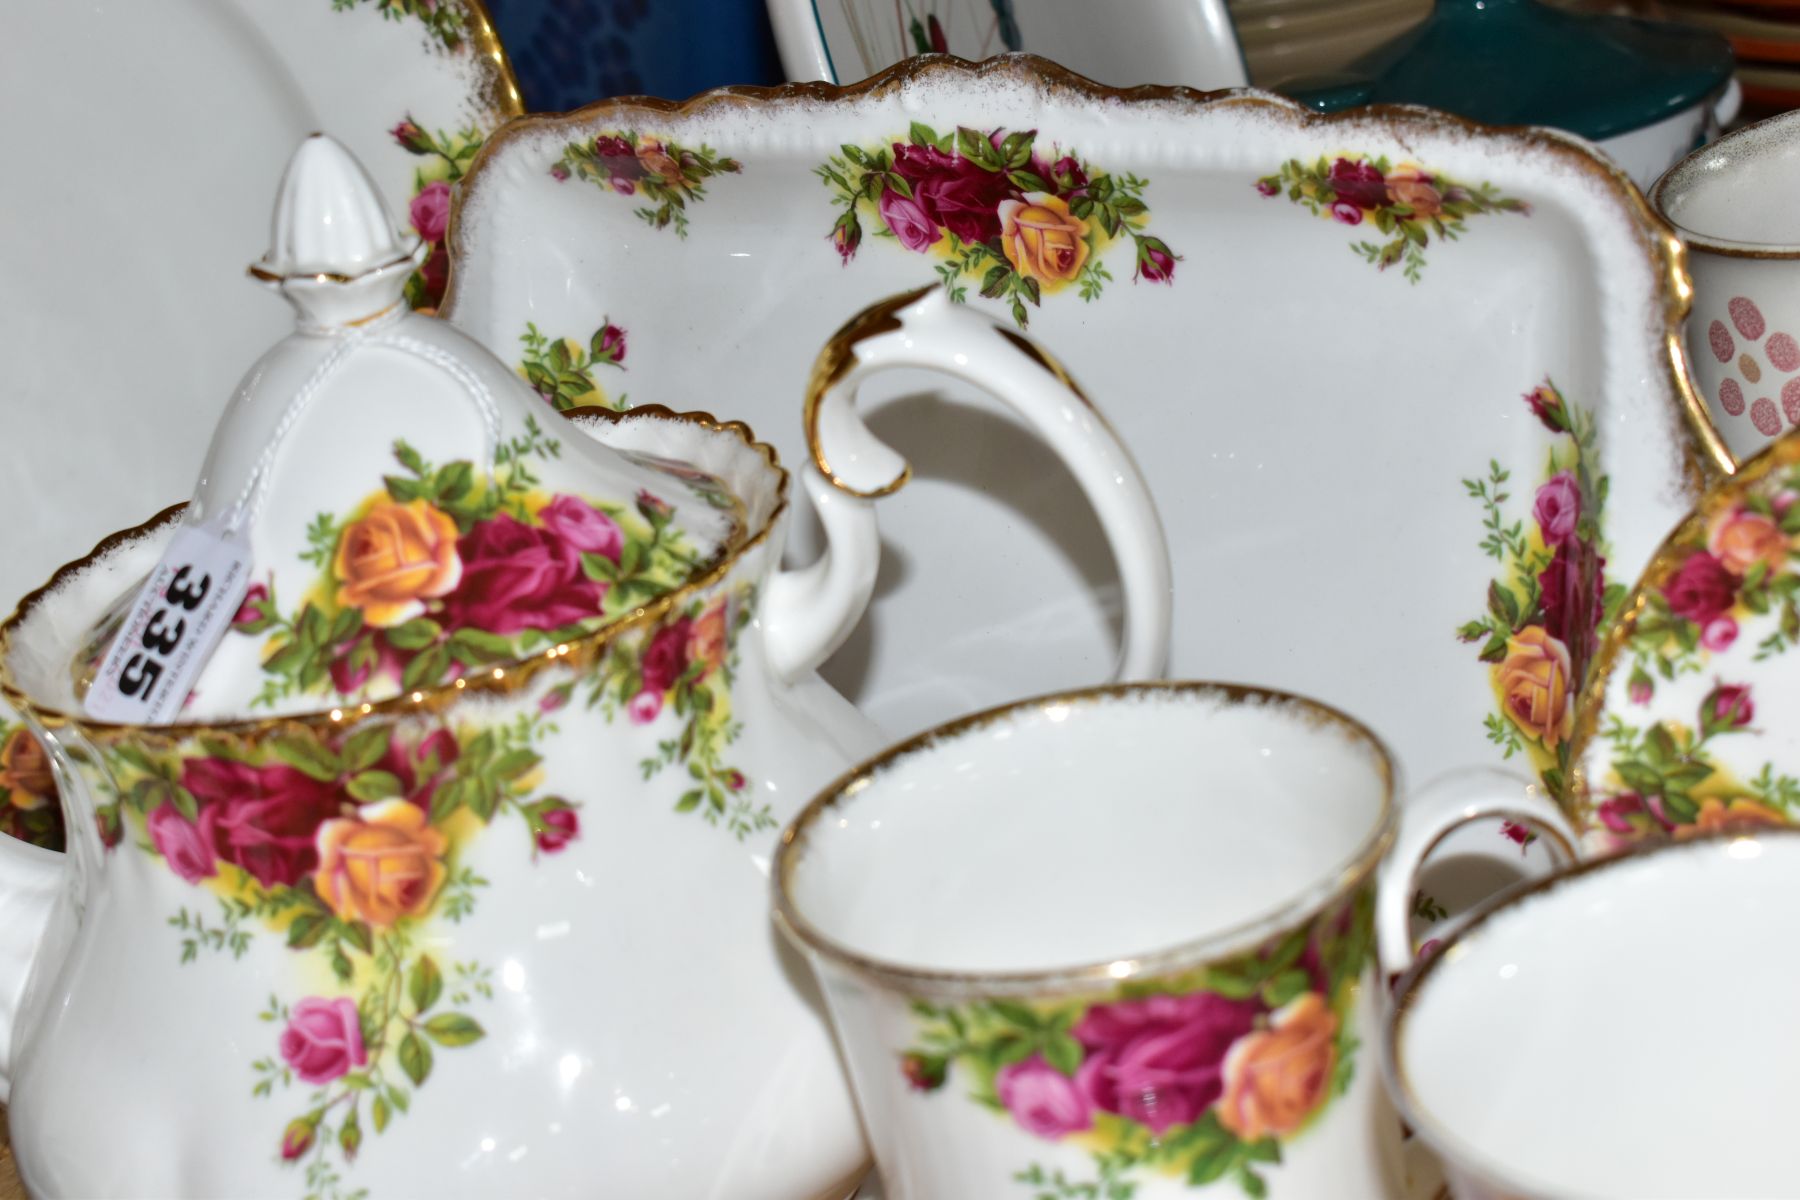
x: 619, y: 159
x: 1702, y: 589
x: 1571, y: 589
x: 667, y: 656
x: 1727, y: 706
x: 583, y: 526
x: 518, y: 577
x: 1160, y: 1060
x: 261, y: 818
x: 247, y: 612
x: 1359, y: 183
x: 954, y: 192
x: 1346, y: 213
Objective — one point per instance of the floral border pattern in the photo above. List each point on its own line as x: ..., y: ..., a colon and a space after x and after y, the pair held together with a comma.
x: 1407, y: 204
x: 1198, y: 1077
x: 667, y: 175
x: 563, y: 370
x: 1707, y: 632
x: 347, y: 849
x: 991, y: 207
x: 1546, y: 608
x: 448, y: 570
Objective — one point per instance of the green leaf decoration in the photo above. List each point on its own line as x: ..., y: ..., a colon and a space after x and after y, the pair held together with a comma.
x: 454, y: 1029
x: 372, y: 786
x: 425, y: 983
x: 415, y: 634
x: 309, y: 757
x: 415, y: 1058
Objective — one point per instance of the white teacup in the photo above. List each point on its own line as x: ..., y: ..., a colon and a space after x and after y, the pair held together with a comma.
x: 1733, y: 204
x: 1121, y: 940
x: 1608, y: 1032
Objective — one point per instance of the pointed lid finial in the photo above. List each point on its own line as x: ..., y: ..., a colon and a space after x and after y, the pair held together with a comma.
x: 334, y: 248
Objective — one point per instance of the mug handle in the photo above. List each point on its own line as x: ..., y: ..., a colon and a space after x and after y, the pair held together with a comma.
x: 809, y: 612
x: 1429, y: 816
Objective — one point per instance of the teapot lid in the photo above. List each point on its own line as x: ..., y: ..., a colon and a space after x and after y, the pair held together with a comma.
x: 408, y: 508
x: 1523, y: 62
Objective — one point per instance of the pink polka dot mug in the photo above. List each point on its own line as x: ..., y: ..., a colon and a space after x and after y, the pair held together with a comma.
x: 1732, y: 203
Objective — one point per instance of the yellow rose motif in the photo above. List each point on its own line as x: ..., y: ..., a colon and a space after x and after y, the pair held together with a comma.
x: 1042, y: 239
x: 1408, y: 185
x: 707, y: 640
x: 1534, y: 679
x: 1740, y: 539
x: 25, y: 772
x: 384, y: 863
x: 1716, y: 815
x: 1277, y: 1077
x: 656, y: 161
x: 394, y: 559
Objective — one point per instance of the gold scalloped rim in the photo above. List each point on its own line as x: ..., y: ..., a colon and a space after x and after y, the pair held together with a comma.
x: 577, y: 654
x: 918, y: 982
x: 1658, y: 238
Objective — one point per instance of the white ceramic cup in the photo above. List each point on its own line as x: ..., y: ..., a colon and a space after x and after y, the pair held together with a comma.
x: 1615, y: 1031
x: 1733, y: 204
x: 1122, y: 939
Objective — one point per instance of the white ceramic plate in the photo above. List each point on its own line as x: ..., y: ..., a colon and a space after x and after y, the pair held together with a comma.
x: 1189, y: 42
x: 1319, y: 432
x: 140, y: 187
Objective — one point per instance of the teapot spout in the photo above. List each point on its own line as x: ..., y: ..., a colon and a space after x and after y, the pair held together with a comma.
x: 29, y: 880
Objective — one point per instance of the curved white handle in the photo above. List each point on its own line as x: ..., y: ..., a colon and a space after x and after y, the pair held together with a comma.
x: 1725, y: 108
x: 29, y: 880
x: 1429, y: 816
x: 810, y: 612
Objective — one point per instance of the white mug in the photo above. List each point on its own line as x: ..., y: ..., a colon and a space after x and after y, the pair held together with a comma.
x: 1122, y: 940
x: 1618, y: 1030
x: 1732, y: 203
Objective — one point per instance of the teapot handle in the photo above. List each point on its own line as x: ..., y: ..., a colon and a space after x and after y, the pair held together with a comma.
x: 30, y: 878
x: 809, y: 612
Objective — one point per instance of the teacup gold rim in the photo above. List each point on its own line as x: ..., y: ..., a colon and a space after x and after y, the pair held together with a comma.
x: 1670, y: 554
x: 497, y: 678
x: 1345, y: 878
x: 502, y: 87
x: 1662, y: 247
x: 1407, y: 991
x: 1724, y: 247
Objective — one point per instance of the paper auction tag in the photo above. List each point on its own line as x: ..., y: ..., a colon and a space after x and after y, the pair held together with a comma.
x: 183, y: 610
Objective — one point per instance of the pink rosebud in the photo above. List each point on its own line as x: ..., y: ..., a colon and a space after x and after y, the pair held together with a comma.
x: 559, y: 172
x: 654, y: 508
x: 735, y: 780
x: 1616, y: 813
x: 1727, y: 706
x: 297, y: 1139
x: 846, y: 235
x: 906, y: 219
x: 1267, y: 187
x: 560, y: 827
x: 1155, y: 261
x: 582, y: 526
x: 1547, y: 405
x: 248, y: 612
x: 925, y: 1072
x: 1719, y: 633
x: 411, y: 138
x: 1043, y: 1100
x: 1640, y: 687
x: 1515, y: 832
x: 555, y: 698
x: 1346, y: 212
x: 643, y: 707
x: 609, y: 344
